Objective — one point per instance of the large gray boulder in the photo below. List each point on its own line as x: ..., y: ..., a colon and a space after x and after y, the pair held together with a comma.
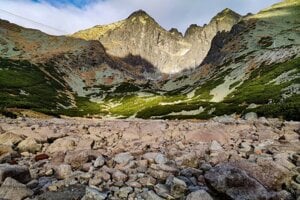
x: 16, y: 172
x: 12, y: 189
x: 235, y: 183
x: 199, y: 195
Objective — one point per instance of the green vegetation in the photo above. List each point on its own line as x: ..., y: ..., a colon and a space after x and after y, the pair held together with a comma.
x: 288, y: 109
x: 203, y: 92
x: 259, y: 89
x: 126, y: 87
x: 24, y: 85
x: 84, y: 108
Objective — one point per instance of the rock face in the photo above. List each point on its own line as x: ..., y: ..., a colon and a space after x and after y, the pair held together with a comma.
x: 139, y: 36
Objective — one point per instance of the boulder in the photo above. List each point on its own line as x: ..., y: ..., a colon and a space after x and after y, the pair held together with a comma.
x: 199, y: 195
x: 29, y: 145
x: 266, y: 171
x: 215, y: 147
x: 93, y: 194
x: 63, y: 171
x: 62, y: 145
x: 177, y: 186
x: 78, y: 158
x: 187, y: 160
x: 124, y: 192
x: 119, y: 176
x: 151, y: 195
x: 10, y: 139
x: 12, y: 189
x: 251, y: 116
x: 65, y: 193
x: 162, y: 190
x: 16, y: 172
x: 235, y: 183
x: 123, y: 158
x: 7, y: 153
x: 99, y: 162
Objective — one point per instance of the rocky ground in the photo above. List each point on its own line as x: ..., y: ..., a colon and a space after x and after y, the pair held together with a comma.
x: 89, y: 159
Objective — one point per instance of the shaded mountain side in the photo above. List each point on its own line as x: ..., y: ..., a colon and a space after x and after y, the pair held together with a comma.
x: 168, y: 51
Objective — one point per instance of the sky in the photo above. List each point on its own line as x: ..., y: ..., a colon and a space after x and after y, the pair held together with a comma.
x: 60, y: 17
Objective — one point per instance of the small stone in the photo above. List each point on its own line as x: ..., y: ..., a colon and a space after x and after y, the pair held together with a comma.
x: 124, y: 192
x: 151, y: 195
x: 93, y: 194
x: 12, y: 189
x: 32, y: 184
x: 99, y: 162
x: 95, y: 181
x: 250, y: 116
x: 215, y: 147
x: 41, y: 157
x: 123, y: 158
x: 119, y: 176
x: 160, y: 159
x: 190, y: 172
x: 199, y: 195
x: 205, y: 167
x: 147, y: 181
x: 159, y: 174
x: 245, y: 147
x: 178, y: 187
x: 63, y: 171
x: 49, y: 172
x: 162, y: 190
x: 52, y: 188
x: 134, y: 184
x: 297, y: 179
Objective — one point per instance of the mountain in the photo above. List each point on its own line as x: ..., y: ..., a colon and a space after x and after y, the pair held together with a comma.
x: 135, y: 68
x: 168, y: 51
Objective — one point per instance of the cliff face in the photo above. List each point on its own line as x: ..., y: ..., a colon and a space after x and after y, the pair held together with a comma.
x: 168, y: 51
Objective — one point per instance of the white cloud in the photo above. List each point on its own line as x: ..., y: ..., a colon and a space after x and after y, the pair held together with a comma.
x: 168, y: 13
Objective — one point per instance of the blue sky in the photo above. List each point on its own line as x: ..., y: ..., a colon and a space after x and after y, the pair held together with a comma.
x: 69, y: 16
x: 77, y: 3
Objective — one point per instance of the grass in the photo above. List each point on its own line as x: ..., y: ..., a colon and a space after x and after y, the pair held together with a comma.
x: 44, y: 94
x: 257, y: 89
x: 38, y: 90
x: 84, y: 108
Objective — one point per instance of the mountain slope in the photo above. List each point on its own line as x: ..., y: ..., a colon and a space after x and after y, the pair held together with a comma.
x: 252, y: 67
x: 168, y: 51
x: 66, y: 67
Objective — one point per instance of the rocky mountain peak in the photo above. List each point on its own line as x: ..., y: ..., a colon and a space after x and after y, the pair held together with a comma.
x: 226, y: 13
x: 174, y: 31
x: 142, y: 15
x: 167, y: 51
x: 139, y: 13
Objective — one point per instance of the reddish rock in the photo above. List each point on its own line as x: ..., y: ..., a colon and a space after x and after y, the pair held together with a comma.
x: 41, y: 157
